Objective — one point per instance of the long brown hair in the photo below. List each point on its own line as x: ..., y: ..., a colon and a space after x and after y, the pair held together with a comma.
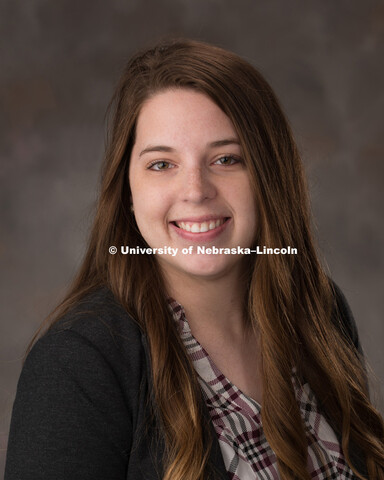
x: 290, y: 298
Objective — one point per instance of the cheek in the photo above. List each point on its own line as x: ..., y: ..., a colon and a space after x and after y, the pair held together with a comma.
x: 244, y: 198
x: 145, y: 187
x: 148, y: 199
x: 247, y: 207
x: 151, y: 205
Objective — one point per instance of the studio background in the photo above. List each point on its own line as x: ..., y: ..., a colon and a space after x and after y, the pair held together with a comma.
x: 59, y: 64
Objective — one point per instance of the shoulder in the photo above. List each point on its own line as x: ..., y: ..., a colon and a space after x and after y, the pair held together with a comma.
x: 100, y: 321
x: 99, y: 316
x: 96, y: 342
x: 343, y: 318
x: 80, y: 395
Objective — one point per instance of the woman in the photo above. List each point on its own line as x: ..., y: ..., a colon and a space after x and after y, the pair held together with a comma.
x: 179, y: 363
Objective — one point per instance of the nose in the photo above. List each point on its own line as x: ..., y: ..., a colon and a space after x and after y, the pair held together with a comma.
x: 198, y: 186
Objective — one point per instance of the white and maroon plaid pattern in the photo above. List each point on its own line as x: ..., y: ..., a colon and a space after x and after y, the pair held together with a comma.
x: 237, y: 421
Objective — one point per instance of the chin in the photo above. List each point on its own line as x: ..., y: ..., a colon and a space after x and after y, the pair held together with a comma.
x: 204, y: 268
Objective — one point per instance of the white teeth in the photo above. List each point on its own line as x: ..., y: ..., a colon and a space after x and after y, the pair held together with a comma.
x: 202, y: 227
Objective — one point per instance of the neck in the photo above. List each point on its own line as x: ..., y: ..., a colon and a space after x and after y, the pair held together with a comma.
x: 215, y: 305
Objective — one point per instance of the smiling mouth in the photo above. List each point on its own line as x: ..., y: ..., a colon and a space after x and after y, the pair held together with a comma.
x: 201, y: 227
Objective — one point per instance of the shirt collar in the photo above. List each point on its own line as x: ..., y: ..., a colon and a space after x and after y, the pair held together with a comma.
x: 178, y: 314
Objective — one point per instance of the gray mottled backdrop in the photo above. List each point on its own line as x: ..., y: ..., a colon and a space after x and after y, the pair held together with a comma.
x: 59, y: 63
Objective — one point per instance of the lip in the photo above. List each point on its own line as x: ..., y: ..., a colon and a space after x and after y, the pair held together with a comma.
x: 203, y: 236
x: 205, y: 218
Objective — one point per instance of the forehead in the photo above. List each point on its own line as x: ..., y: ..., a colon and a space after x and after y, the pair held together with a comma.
x: 182, y: 116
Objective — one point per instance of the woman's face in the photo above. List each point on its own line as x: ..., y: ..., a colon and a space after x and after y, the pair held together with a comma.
x: 189, y: 184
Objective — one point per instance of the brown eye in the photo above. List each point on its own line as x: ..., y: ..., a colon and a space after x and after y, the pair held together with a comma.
x: 160, y: 165
x: 227, y: 160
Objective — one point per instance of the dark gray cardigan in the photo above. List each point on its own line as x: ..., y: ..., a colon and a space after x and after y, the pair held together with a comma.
x: 82, y: 409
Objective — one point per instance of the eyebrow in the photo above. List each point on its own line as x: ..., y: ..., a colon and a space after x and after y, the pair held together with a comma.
x: 165, y: 148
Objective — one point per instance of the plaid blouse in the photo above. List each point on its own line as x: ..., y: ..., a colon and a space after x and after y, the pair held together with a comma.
x: 237, y: 421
